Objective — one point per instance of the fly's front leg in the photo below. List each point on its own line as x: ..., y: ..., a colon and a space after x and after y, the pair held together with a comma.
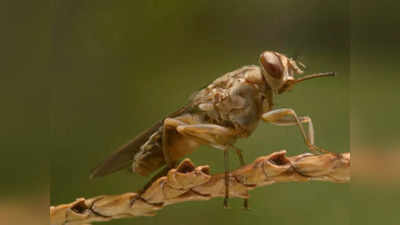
x: 288, y: 117
x: 216, y: 136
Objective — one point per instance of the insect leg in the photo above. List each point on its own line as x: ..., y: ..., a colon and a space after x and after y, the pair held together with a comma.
x: 240, y: 155
x: 242, y: 163
x: 216, y: 136
x: 227, y: 170
x: 211, y: 134
x: 161, y: 173
x: 168, y: 124
x: 288, y: 117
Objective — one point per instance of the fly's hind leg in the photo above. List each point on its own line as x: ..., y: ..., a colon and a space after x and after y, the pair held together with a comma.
x: 161, y: 173
x: 169, y: 123
x: 288, y: 117
x: 216, y: 136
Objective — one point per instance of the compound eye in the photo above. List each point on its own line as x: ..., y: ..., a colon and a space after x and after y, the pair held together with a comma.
x: 272, y: 64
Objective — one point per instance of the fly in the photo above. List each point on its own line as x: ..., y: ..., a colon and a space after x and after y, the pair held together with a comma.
x: 229, y: 108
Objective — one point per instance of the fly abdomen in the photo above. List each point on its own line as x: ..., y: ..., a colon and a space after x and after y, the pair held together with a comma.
x: 148, y: 159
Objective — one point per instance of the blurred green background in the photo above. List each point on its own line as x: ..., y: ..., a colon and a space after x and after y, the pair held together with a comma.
x: 25, y: 142
x: 122, y: 65
x: 374, y: 112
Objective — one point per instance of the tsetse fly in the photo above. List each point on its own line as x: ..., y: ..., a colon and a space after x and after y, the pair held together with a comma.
x: 229, y: 108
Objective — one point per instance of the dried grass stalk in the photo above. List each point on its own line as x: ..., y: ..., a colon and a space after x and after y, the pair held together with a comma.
x: 190, y: 183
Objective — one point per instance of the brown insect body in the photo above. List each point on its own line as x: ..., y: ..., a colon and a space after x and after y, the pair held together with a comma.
x: 235, y: 100
x: 227, y: 109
